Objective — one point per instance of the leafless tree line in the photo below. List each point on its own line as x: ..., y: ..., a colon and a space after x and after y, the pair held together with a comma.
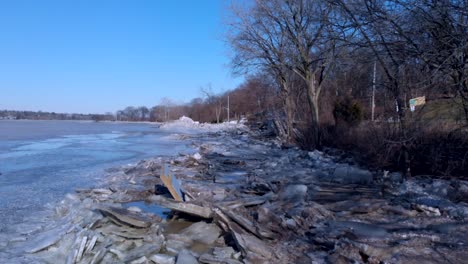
x: 255, y: 95
x: 319, y: 49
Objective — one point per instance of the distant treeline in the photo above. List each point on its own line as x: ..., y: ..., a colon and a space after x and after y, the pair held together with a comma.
x: 258, y: 94
x: 32, y: 115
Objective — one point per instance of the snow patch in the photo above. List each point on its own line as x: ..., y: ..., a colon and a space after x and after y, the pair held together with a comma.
x: 197, y: 156
x: 187, y: 125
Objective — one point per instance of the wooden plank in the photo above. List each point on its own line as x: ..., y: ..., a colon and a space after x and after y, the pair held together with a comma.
x: 172, y: 183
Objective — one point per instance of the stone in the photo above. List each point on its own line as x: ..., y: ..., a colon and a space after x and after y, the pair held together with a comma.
x: 141, y: 260
x: 224, y: 252
x: 359, y: 229
x: 352, y: 175
x: 294, y: 193
x: 186, y: 257
x: 162, y: 259
x: 211, y: 259
x: 145, y: 250
x: 175, y: 244
x: 202, y: 232
x: 197, y: 156
x: 395, y: 177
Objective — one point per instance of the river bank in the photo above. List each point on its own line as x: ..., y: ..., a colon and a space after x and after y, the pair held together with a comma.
x: 255, y: 202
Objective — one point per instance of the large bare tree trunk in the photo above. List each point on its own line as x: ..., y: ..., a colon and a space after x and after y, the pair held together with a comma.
x: 313, y: 93
x: 288, y: 104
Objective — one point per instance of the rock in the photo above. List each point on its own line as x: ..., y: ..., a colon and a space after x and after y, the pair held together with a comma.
x: 395, y: 177
x: 352, y: 175
x: 197, y: 156
x: 264, y: 214
x: 134, y: 209
x: 210, y: 259
x: 126, y: 217
x: 162, y: 259
x: 141, y: 260
x: 428, y: 210
x: 145, y: 250
x: 185, y: 257
x: 315, y: 155
x: 359, y: 229
x: 290, y: 223
x: 224, y: 252
x: 175, y: 244
x: 202, y: 232
x: 294, y: 193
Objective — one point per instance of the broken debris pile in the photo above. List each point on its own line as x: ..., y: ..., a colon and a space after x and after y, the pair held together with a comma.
x: 243, y: 200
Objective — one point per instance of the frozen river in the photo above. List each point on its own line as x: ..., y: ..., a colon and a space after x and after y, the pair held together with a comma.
x: 41, y: 161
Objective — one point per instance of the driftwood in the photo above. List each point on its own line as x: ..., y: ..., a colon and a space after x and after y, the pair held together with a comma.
x: 247, y: 243
x: 247, y: 224
x: 184, y: 207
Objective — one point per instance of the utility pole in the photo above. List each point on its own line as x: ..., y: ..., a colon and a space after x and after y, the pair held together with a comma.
x: 373, y: 93
x: 228, y: 109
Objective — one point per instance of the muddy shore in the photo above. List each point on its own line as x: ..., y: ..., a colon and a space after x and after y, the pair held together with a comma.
x: 250, y: 201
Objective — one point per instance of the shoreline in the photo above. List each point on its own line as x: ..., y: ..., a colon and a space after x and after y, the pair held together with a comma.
x: 297, y: 202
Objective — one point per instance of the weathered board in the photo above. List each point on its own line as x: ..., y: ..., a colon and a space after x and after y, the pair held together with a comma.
x: 172, y: 183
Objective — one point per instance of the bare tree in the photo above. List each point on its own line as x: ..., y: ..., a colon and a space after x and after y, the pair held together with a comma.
x: 286, y: 38
x: 214, y: 100
x: 259, y: 43
x: 307, y: 26
x: 143, y: 112
x: 166, y: 104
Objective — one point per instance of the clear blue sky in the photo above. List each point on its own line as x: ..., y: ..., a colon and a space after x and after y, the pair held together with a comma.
x: 96, y: 56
